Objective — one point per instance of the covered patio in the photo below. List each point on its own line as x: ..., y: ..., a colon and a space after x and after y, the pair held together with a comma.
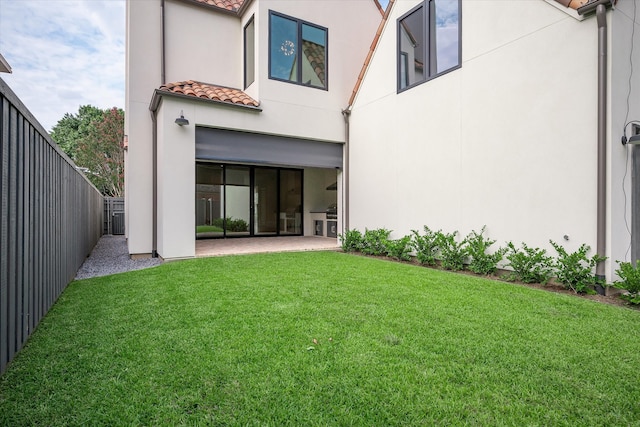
x: 252, y: 245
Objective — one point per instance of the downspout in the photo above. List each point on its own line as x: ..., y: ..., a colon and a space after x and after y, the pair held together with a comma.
x: 154, y: 191
x: 346, y: 113
x: 600, y: 8
x: 601, y: 15
x: 162, y: 38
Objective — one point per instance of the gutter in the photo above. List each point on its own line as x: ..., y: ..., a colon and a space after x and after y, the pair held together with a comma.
x: 600, y: 7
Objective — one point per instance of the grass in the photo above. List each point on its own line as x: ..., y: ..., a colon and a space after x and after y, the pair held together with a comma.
x: 208, y: 229
x: 322, y: 339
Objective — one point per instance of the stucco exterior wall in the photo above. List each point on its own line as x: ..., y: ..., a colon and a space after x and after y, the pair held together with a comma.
x: 507, y: 141
x: 143, y: 56
x: 624, y: 85
x: 176, y: 182
x: 202, y: 45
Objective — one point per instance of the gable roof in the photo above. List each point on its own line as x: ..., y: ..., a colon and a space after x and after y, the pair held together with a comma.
x: 205, y: 92
x: 315, y: 54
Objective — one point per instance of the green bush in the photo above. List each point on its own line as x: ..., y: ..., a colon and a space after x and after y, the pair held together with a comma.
x: 237, y: 225
x: 351, y: 240
x: 629, y: 281
x: 575, y: 270
x: 426, y: 245
x: 399, y: 249
x: 530, y: 265
x: 374, y: 242
x: 452, y: 255
x: 476, y: 248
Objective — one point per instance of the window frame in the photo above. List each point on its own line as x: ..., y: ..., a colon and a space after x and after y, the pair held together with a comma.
x: 430, y: 51
x: 299, y: 25
x: 251, y: 21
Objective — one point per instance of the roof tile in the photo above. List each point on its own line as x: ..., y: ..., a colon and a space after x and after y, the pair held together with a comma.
x: 232, y: 5
x: 212, y: 92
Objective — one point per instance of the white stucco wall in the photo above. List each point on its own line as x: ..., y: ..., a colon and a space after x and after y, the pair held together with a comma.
x: 620, y: 214
x: 176, y: 182
x: 507, y: 141
x: 202, y: 45
x: 143, y: 56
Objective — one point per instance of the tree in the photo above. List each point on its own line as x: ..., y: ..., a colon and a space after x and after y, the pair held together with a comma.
x: 93, y: 139
x: 72, y: 128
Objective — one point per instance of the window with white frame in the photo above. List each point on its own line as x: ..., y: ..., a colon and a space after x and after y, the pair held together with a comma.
x: 297, y: 51
x: 429, y: 42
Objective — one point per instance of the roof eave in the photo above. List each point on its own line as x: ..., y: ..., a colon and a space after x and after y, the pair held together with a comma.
x: 158, y: 94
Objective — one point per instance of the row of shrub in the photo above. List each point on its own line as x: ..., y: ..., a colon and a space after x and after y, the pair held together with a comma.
x: 233, y: 224
x: 574, y: 270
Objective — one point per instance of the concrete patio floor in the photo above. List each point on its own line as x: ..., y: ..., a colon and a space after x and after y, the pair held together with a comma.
x: 253, y: 245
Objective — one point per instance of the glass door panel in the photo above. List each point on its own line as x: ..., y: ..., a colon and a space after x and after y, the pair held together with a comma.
x: 209, y: 201
x: 237, y: 200
x: 290, y: 201
x: 265, y: 201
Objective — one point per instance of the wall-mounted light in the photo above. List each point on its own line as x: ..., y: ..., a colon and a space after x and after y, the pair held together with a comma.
x: 181, y: 121
x: 634, y: 139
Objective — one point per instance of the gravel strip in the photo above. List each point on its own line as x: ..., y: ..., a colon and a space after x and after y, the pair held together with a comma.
x: 111, y: 256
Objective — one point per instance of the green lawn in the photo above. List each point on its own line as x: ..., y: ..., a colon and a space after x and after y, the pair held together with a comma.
x: 230, y: 341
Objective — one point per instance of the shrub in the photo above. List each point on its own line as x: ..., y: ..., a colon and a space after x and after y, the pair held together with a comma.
x: 629, y: 281
x: 351, y: 240
x: 476, y: 248
x: 426, y: 245
x: 452, y: 254
x: 399, y: 249
x: 374, y: 242
x: 232, y: 224
x: 575, y: 270
x: 530, y: 265
x: 237, y: 225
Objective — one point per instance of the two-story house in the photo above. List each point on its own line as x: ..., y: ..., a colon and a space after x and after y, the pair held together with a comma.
x: 246, y: 117
x: 234, y: 116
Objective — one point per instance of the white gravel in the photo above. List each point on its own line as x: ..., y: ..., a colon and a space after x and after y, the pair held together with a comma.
x: 111, y: 256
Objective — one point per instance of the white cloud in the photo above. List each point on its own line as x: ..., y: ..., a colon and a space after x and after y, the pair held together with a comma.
x: 64, y: 53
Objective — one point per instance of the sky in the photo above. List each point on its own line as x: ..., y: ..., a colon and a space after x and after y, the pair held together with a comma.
x: 64, y: 54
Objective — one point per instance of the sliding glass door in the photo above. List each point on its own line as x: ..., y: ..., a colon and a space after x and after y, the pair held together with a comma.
x: 236, y: 200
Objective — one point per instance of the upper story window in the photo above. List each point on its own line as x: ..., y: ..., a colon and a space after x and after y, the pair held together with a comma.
x: 297, y: 51
x: 428, y: 42
x: 249, y: 53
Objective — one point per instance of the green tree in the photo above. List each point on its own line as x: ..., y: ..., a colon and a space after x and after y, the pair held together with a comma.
x: 93, y: 139
x: 72, y: 128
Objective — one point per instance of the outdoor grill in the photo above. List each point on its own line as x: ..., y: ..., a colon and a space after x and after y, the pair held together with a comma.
x: 332, y: 211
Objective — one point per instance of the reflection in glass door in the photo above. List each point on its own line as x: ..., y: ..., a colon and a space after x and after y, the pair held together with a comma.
x: 290, y: 201
x: 237, y: 200
x: 209, y: 200
x: 265, y: 201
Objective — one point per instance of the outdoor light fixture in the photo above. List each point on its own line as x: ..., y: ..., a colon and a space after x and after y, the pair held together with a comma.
x: 634, y: 139
x: 181, y: 121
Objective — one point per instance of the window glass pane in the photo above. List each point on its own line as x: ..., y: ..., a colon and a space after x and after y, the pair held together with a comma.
x: 290, y: 202
x: 209, y: 201
x: 314, y: 43
x: 412, y: 37
x: 447, y: 21
x: 237, y: 200
x: 283, y: 49
x: 249, y: 53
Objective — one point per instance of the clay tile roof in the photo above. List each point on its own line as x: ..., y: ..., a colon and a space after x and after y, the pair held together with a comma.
x: 232, y: 5
x: 575, y: 4
x: 210, y: 92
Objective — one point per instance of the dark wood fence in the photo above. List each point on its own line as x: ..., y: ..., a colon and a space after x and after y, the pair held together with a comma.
x: 50, y: 219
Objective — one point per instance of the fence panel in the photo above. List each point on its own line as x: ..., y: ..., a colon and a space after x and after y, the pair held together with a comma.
x: 50, y: 219
x: 113, y: 215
